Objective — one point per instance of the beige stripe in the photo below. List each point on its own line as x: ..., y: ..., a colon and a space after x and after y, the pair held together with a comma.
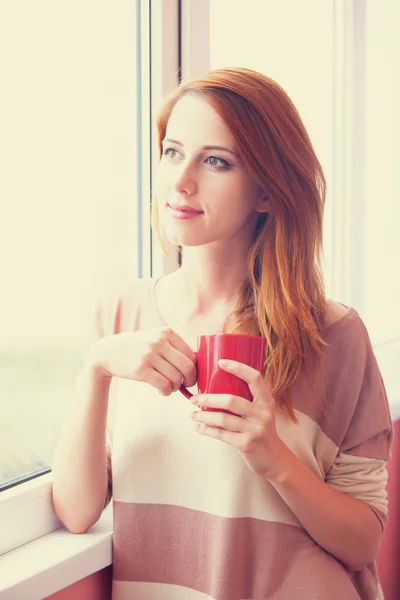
x: 226, y: 559
x: 158, y: 457
x: 308, y: 442
x: 362, y: 478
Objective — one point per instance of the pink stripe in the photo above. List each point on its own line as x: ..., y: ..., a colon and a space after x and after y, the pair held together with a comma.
x: 377, y: 447
x: 226, y: 558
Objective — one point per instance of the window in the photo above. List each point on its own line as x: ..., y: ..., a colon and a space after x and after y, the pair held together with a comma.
x: 69, y: 190
x: 382, y: 188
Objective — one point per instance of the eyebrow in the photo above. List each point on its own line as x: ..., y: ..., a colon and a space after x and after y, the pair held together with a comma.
x: 170, y: 140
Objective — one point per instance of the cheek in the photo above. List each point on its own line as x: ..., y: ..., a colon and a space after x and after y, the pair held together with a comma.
x: 235, y: 195
x: 224, y: 190
x: 237, y: 186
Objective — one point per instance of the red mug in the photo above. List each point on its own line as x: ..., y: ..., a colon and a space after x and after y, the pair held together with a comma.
x: 211, y: 379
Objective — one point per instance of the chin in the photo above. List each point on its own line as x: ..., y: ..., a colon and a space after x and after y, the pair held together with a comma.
x: 185, y: 241
x: 177, y: 237
x: 188, y: 239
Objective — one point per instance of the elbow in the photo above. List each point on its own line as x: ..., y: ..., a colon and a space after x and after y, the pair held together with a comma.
x: 77, y: 525
x: 368, y: 544
x: 75, y: 521
x: 357, y: 566
x: 76, y: 528
x: 353, y: 567
x: 367, y: 556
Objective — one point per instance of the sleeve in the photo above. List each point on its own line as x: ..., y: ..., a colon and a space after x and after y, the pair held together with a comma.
x: 359, y: 468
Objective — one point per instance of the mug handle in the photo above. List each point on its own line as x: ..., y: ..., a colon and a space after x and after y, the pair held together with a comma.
x: 183, y: 389
x: 185, y: 392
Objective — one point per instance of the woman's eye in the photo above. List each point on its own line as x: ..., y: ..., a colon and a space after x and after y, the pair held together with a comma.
x: 214, y: 161
x: 171, y: 153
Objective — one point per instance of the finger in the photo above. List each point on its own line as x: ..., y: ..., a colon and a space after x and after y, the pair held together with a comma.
x: 180, y: 362
x: 258, y: 387
x: 228, y: 437
x: 221, y: 420
x: 158, y: 381
x: 167, y: 370
x: 179, y: 344
x: 234, y: 404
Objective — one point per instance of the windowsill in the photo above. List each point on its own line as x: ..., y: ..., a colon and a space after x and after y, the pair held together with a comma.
x: 53, y: 562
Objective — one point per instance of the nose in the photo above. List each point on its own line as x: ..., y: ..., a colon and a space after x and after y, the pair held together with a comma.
x: 185, y: 182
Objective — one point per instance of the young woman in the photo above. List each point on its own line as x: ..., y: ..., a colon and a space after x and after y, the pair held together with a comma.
x: 286, y: 500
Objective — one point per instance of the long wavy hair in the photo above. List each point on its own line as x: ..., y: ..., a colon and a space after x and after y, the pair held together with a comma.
x: 282, y: 298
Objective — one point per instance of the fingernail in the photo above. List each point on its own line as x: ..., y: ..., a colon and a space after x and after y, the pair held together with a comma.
x: 193, y: 400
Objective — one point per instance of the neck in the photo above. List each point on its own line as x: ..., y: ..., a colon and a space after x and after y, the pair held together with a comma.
x: 211, y: 278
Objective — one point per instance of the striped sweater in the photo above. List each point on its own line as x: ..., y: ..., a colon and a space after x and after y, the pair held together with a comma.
x: 192, y: 522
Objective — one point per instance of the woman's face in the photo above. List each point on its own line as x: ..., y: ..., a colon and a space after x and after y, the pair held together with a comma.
x: 201, y: 171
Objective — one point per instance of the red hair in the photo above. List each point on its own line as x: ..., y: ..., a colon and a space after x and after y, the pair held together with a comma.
x: 283, y: 297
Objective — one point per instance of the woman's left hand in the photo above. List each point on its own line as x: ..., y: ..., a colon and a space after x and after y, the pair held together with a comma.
x: 253, y: 432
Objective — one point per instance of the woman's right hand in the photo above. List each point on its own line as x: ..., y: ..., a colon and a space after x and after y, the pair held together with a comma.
x: 157, y: 356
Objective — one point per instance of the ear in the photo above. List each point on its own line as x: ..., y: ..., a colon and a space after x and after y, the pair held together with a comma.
x: 264, y: 204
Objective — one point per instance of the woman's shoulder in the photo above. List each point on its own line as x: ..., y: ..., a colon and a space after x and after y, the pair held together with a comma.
x: 334, y: 312
x: 119, y: 306
x: 349, y: 355
x: 342, y: 321
x: 127, y: 290
x: 345, y: 334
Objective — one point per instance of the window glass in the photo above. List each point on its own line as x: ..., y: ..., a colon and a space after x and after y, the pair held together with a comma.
x: 382, y: 212
x: 68, y: 194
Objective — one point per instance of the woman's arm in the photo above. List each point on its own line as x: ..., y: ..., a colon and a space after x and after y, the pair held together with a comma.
x: 80, y: 462
x: 342, y: 525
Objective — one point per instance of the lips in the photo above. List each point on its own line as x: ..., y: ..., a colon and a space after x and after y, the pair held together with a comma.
x: 185, y: 209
